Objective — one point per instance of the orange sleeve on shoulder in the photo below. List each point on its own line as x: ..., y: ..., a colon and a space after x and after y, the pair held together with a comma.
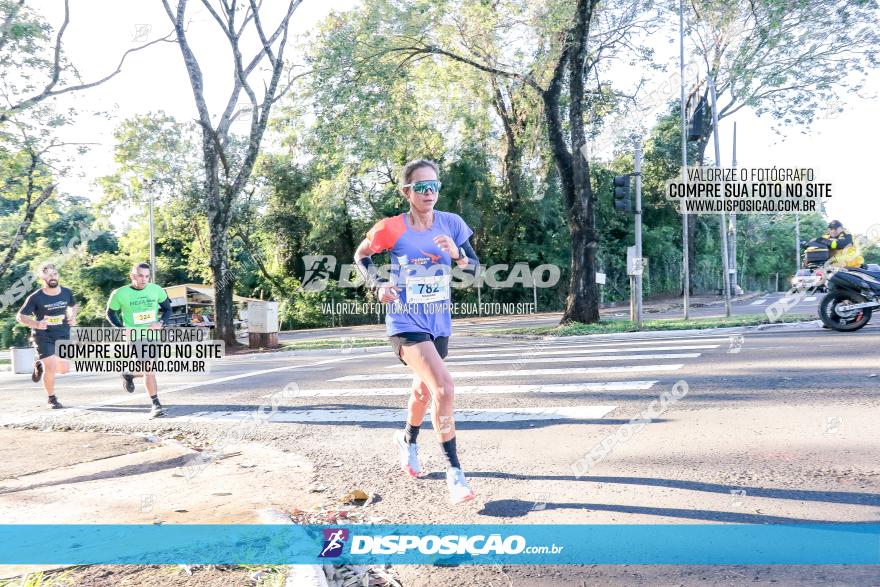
x: 384, y: 234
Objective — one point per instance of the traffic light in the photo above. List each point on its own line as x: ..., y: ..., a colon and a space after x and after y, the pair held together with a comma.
x: 697, y: 129
x: 621, y: 193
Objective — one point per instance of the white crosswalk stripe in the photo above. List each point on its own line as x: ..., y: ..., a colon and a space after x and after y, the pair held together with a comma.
x: 392, y: 415
x: 520, y: 372
x: 597, y: 358
x: 760, y: 302
x: 575, y: 350
x: 593, y: 347
x: 484, y: 389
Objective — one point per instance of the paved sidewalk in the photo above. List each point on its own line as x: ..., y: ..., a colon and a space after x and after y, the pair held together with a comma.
x: 56, y: 477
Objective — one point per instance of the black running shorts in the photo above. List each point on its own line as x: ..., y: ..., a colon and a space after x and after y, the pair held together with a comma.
x: 402, y: 339
x: 45, y: 343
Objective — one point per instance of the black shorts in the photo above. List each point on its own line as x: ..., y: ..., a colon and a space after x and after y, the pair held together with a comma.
x: 402, y: 339
x: 45, y: 344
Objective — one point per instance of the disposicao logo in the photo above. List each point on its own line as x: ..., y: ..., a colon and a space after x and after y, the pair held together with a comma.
x: 472, y: 545
x: 334, y: 541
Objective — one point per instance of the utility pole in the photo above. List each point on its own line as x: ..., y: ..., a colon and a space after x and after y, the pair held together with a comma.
x: 797, y: 242
x: 731, y: 233
x: 638, y: 288
x: 724, y: 259
x: 152, y: 236
x: 685, y: 262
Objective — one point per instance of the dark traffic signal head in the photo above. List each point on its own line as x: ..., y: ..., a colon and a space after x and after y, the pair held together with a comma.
x: 697, y: 127
x: 621, y: 193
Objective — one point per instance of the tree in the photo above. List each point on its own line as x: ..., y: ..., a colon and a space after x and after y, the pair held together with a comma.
x: 227, y: 169
x: 558, y: 71
x: 789, y: 59
x: 30, y: 77
x: 33, y: 70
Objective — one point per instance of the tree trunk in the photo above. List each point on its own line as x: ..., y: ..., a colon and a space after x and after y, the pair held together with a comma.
x: 582, y: 304
x: 224, y: 310
x: 512, y: 169
x: 23, y: 226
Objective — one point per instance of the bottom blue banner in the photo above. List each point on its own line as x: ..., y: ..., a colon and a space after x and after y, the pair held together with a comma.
x: 687, y: 544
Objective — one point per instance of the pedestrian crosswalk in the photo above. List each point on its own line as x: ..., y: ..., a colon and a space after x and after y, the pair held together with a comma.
x: 352, y: 416
x: 516, y: 381
x: 518, y: 372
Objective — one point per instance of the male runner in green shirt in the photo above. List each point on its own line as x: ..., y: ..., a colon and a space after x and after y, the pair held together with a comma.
x: 141, y: 305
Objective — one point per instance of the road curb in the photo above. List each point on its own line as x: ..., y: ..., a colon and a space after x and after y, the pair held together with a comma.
x: 296, y: 575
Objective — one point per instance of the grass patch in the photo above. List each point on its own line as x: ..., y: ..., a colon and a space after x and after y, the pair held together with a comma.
x: 339, y: 342
x: 5, y: 362
x: 620, y: 326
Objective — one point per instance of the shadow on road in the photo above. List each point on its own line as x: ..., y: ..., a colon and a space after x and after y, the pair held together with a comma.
x: 515, y: 508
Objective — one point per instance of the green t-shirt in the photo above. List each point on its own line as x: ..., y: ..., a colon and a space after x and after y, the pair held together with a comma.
x: 139, y: 307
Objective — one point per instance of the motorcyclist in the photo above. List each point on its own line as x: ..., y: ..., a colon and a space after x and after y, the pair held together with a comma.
x: 844, y: 250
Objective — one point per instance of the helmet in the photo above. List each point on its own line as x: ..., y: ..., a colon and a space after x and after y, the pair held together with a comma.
x: 835, y: 224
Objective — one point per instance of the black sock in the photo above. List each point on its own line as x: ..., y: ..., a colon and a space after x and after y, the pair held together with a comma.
x: 410, y: 433
x: 155, y: 399
x: 52, y: 397
x: 451, y: 455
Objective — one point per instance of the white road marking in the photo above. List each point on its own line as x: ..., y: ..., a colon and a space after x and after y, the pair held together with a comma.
x: 521, y: 372
x: 394, y: 415
x: 139, y: 397
x: 582, y: 347
x: 481, y: 389
x: 760, y: 302
x: 533, y: 352
x: 591, y: 358
x: 809, y: 299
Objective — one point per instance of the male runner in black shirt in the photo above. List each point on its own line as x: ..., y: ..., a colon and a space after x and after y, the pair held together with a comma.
x: 49, y: 312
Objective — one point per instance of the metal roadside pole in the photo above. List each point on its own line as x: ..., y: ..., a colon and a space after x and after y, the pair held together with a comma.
x: 635, y: 262
x: 638, y: 230
x: 724, y: 259
x: 731, y: 233
x: 150, y: 187
x: 685, y: 237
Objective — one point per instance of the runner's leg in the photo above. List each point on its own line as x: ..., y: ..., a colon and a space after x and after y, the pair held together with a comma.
x: 419, y: 397
x: 406, y: 440
x: 151, y: 384
x: 429, y: 367
x: 431, y: 370
x: 50, y: 366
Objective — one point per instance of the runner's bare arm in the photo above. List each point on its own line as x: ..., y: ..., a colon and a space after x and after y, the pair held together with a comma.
x: 27, y: 321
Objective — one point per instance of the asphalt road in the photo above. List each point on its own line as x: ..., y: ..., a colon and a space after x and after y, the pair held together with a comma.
x: 776, y: 426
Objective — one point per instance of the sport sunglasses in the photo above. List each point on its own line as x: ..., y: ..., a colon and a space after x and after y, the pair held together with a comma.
x: 420, y: 187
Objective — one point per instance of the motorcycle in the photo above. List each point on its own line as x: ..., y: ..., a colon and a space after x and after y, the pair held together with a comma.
x: 853, y: 294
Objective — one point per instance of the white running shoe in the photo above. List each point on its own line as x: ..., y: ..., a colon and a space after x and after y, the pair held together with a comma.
x: 409, y: 455
x: 459, y: 490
